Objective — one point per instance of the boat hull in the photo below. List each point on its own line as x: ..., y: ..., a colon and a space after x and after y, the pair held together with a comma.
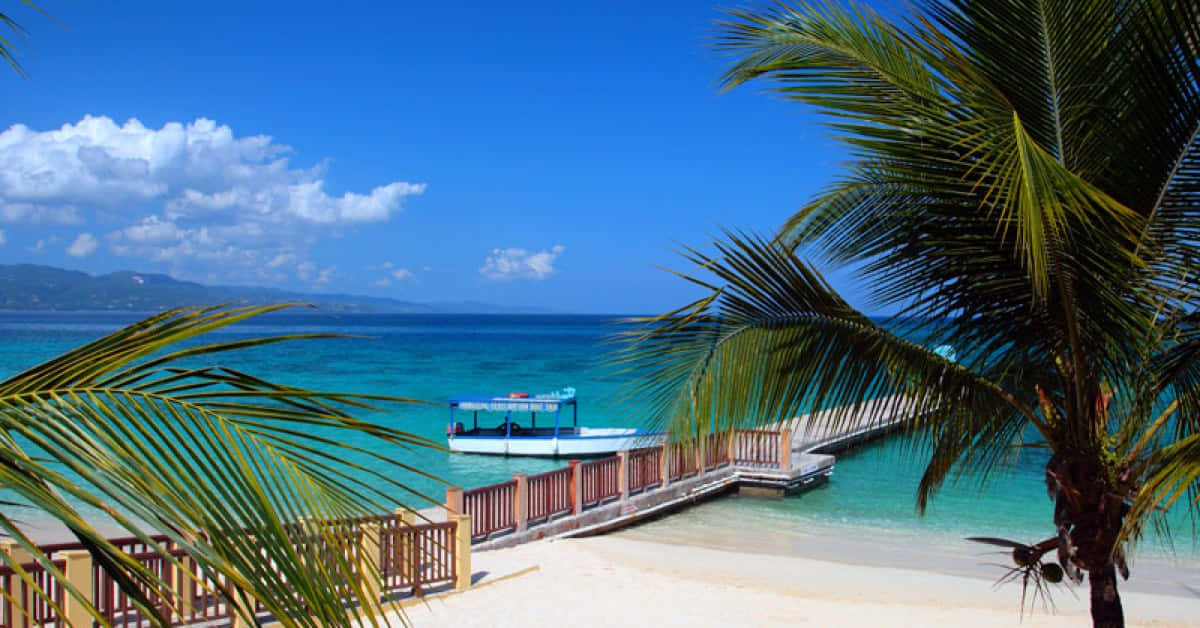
x: 589, y: 442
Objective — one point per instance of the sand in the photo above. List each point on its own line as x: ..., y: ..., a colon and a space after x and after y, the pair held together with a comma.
x: 617, y: 580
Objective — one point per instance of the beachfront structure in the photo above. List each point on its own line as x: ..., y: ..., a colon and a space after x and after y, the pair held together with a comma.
x: 518, y: 433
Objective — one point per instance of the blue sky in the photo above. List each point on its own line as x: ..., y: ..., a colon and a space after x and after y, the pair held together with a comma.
x: 521, y: 153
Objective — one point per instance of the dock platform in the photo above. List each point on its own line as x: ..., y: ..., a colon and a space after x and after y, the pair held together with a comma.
x: 596, y: 496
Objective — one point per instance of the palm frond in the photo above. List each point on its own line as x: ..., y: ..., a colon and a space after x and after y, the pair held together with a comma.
x: 225, y: 464
x: 775, y: 341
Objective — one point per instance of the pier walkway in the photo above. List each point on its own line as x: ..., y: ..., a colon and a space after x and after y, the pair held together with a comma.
x: 599, y: 495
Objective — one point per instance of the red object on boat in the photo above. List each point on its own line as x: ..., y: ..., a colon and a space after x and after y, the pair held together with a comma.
x: 518, y: 395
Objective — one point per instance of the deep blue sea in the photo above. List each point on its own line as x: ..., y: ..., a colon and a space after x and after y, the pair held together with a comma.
x: 433, y: 357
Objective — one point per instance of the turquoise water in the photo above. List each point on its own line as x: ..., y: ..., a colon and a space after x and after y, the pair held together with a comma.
x: 436, y: 357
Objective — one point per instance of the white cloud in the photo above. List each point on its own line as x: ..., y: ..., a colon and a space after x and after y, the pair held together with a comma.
x: 383, y: 282
x: 2, y: 240
x: 41, y: 244
x: 513, y: 263
x: 400, y: 274
x: 84, y: 245
x: 187, y: 194
x: 308, y: 272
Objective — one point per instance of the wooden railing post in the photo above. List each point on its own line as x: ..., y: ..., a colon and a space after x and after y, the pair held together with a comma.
x: 408, y: 517
x: 454, y: 499
x: 236, y: 620
x: 785, y: 448
x: 78, y: 574
x: 462, y: 551
x: 576, y: 487
x: 731, y: 452
x: 370, y: 569
x: 623, y: 475
x: 21, y: 605
x: 664, y: 465
x: 521, y: 501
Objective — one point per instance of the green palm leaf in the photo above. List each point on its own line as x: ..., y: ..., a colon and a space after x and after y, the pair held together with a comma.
x: 221, y: 462
x: 1022, y: 185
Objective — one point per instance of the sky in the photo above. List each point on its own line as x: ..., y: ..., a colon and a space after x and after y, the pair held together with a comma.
x: 543, y: 154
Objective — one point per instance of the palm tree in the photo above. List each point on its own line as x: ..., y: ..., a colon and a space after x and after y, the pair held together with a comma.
x: 1024, y: 186
x: 221, y: 462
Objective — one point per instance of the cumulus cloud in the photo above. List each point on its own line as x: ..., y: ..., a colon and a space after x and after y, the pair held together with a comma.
x: 190, y: 194
x: 84, y: 245
x: 514, y: 263
x: 400, y: 274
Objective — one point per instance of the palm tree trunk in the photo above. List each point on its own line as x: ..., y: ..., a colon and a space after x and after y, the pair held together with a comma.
x: 1106, y: 602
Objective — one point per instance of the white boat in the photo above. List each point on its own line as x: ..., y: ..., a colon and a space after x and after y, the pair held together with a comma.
x: 519, y: 434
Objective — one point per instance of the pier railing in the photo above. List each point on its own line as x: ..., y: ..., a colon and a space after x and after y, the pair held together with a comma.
x: 550, y: 494
x: 530, y: 500
x: 395, y: 553
x: 645, y: 468
x: 601, y: 481
x: 491, y: 508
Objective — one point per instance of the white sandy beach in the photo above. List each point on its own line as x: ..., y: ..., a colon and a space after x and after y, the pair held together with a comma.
x: 617, y: 580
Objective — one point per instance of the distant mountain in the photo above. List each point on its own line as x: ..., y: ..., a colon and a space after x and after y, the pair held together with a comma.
x: 33, y: 287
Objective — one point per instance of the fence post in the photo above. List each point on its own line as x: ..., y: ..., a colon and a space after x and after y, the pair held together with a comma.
x: 623, y: 474
x: 785, y: 448
x: 20, y: 603
x: 236, y: 598
x: 78, y: 574
x: 406, y: 516
x: 521, y: 501
x: 371, y: 561
x: 732, y: 444
x: 576, y: 487
x: 462, y: 551
x: 454, y: 499
x: 664, y: 464
x: 701, y: 452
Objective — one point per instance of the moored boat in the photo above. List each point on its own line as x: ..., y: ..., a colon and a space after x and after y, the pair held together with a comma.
x: 519, y: 434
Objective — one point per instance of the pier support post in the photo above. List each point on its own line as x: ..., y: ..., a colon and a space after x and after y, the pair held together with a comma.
x: 462, y: 551
x: 521, y: 501
x: 785, y: 449
x: 454, y: 499
x: 576, y: 487
x: 623, y: 474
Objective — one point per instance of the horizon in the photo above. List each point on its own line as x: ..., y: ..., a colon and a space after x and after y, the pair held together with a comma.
x: 562, y: 173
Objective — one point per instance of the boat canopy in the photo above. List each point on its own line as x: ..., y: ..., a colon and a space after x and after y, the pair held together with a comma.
x: 488, y: 403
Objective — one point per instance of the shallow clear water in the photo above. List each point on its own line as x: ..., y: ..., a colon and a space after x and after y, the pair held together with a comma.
x: 434, y: 357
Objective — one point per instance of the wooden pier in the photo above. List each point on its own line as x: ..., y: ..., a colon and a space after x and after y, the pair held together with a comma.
x: 596, y: 496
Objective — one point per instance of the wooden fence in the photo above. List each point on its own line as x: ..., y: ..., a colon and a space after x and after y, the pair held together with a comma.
x: 645, y: 469
x: 491, y: 508
x: 601, y: 481
x: 531, y: 500
x: 405, y: 557
x: 550, y: 494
